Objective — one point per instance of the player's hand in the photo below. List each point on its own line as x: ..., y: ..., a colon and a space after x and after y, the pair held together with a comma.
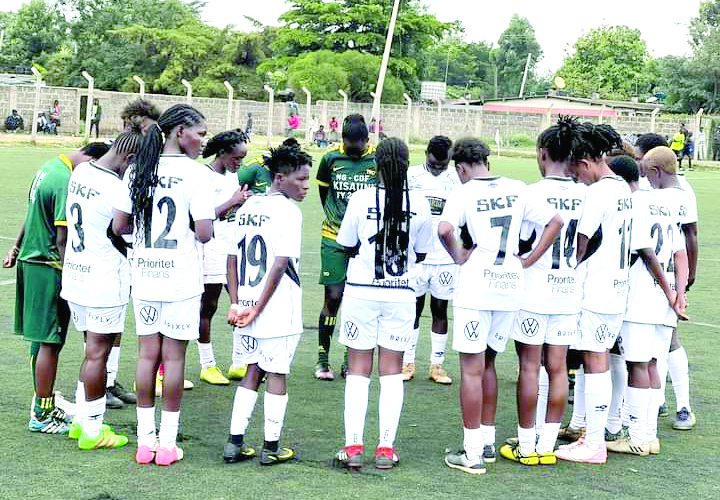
x: 680, y: 306
x: 11, y: 258
x: 246, y: 317
x: 241, y: 195
x: 233, y: 315
x: 672, y: 298
x: 463, y: 254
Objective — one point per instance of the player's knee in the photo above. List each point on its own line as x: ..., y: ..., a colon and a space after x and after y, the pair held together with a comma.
x: 438, y: 308
x: 208, y: 309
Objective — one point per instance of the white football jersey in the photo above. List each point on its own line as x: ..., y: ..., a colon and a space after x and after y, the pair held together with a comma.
x: 368, y: 277
x: 493, y: 209
x: 607, y: 222
x: 167, y: 263
x: 95, y: 273
x: 691, y: 210
x: 268, y: 227
x: 223, y: 232
x: 437, y: 189
x: 656, y: 220
x: 551, y: 285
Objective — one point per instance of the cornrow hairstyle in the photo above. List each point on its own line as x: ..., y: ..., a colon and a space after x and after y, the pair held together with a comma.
x: 96, y: 150
x: 393, y: 238
x: 143, y: 178
x: 223, y: 143
x: 649, y: 141
x: 626, y: 167
x: 354, y: 128
x: 291, y: 142
x: 128, y: 142
x: 140, y: 108
x: 560, y: 139
x: 439, y: 146
x: 595, y: 141
x: 286, y: 159
x: 470, y: 150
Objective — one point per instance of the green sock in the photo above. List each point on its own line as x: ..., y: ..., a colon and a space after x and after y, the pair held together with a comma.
x: 43, y: 406
x: 326, y: 327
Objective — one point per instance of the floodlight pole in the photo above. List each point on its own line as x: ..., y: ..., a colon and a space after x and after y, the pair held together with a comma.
x: 308, y: 100
x: 525, y: 75
x: 141, y: 83
x: 653, y: 115
x: 188, y: 86
x: 231, y: 93
x: 36, y: 103
x: 88, y: 107
x: 345, y: 102
x: 271, y: 102
x: 698, y: 118
x: 439, y: 113
x: 408, y: 118
x: 383, y: 68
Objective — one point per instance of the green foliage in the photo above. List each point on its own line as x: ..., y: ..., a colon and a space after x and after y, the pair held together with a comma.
x: 32, y: 34
x: 468, y: 65
x: 611, y: 60
x: 514, y: 45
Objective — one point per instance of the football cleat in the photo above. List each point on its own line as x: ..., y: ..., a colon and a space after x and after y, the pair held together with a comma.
x: 610, y: 436
x: 124, y: 395
x: 233, y: 453
x: 571, y: 434
x: 47, y: 424
x: 351, y: 457
x: 324, y: 372
x: 112, y: 401
x: 213, y: 376
x: 624, y: 445
x: 145, y: 454
x: 268, y: 457
x: 386, y: 458
x: 439, y: 375
x: 408, y: 371
x: 583, y: 453
x: 460, y: 461
x: 548, y: 458
x: 75, y: 430
x: 168, y: 456
x: 654, y: 447
x: 489, y: 454
x: 106, y: 439
x: 513, y: 453
x: 663, y: 410
x: 684, y: 420
x: 237, y: 372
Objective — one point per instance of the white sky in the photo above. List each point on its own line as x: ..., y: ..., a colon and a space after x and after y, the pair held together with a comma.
x: 557, y: 23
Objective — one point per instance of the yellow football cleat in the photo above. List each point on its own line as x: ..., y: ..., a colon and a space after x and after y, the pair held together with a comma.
x: 512, y: 452
x: 408, y: 371
x: 548, y: 458
x: 237, y: 372
x: 439, y: 375
x: 213, y: 376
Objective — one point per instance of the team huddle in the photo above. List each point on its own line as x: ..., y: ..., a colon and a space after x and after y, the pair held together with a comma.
x: 586, y: 269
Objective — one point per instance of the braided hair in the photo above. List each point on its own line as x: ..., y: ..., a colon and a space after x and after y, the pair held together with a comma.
x: 560, y: 140
x: 286, y: 159
x: 224, y: 142
x: 594, y: 141
x: 128, y: 142
x: 393, y: 239
x: 143, y: 178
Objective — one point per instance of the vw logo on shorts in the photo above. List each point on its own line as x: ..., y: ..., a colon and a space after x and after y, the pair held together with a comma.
x: 149, y: 315
x: 249, y: 344
x: 602, y: 333
x: 351, y: 330
x: 471, y: 331
x: 445, y: 278
x: 529, y: 327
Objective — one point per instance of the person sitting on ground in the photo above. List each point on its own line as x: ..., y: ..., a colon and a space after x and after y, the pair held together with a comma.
x: 14, y: 122
x: 320, y: 138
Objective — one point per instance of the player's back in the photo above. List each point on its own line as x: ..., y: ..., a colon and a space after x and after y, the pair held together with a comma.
x: 95, y: 273
x: 551, y: 285
x: 607, y: 222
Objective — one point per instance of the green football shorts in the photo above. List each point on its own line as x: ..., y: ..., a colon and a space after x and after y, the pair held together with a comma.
x: 333, y: 263
x: 41, y: 315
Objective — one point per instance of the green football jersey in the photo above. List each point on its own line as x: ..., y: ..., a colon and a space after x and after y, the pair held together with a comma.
x: 256, y: 175
x: 46, y: 211
x: 343, y: 175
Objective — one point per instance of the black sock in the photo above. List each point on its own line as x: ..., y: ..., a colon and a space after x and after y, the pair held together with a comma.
x: 326, y: 327
x: 271, y: 445
x: 236, y: 439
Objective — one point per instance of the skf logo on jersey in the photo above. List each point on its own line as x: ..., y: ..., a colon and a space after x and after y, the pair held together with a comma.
x: 602, y: 333
x: 249, y: 344
x: 530, y: 327
x: 471, y: 331
x: 149, y: 315
x: 445, y: 278
x: 351, y: 330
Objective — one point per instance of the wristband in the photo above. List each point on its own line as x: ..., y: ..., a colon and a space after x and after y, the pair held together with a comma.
x: 235, y: 307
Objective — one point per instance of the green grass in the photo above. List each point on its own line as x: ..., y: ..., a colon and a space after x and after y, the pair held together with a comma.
x: 51, y: 467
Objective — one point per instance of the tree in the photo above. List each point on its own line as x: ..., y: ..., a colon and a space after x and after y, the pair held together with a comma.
x: 468, y: 67
x: 514, y: 45
x: 612, y: 61
x: 33, y: 34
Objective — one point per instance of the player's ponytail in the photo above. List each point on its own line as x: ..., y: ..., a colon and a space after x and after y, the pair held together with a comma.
x: 393, y: 239
x: 224, y: 142
x: 594, y: 141
x: 143, y: 178
x: 561, y: 139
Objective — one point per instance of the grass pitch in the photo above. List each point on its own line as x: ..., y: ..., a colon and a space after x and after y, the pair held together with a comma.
x: 38, y: 466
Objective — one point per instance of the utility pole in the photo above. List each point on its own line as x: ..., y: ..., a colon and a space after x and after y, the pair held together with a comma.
x: 525, y: 74
x: 383, y: 69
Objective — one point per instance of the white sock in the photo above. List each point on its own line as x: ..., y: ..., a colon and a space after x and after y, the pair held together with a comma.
x: 662, y: 369
x: 625, y: 411
x: 618, y: 376
x: 473, y: 443
x: 526, y: 438
x: 237, y: 350
x: 542, y: 400
x: 95, y: 411
x: 169, y: 424
x: 80, y: 404
x: 598, y: 394
x: 548, y: 437
x: 651, y: 421
x: 488, y: 434
x: 146, y: 426
x: 207, y: 356
x: 113, y: 364
x: 438, y: 342
x: 274, y: 406
x: 357, y: 391
x: 411, y: 347
x: 390, y: 405
x: 680, y: 376
x: 243, y: 407
x: 637, y: 403
x: 578, y: 414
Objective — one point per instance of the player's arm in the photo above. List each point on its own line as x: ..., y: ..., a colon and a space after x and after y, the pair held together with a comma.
x: 203, y: 230
x: 61, y: 241
x: 656, y: 270
x: 582, y: 243
x: 274, y: 276
x: 12, y: 254
x: 323, y: 179
x: 446, y: 233
x: 691, y: 244
x: 232, y: 286
x: 121, y: 223
x: 550, y: 232
x: 237, y: 199
x: 681, y: 280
